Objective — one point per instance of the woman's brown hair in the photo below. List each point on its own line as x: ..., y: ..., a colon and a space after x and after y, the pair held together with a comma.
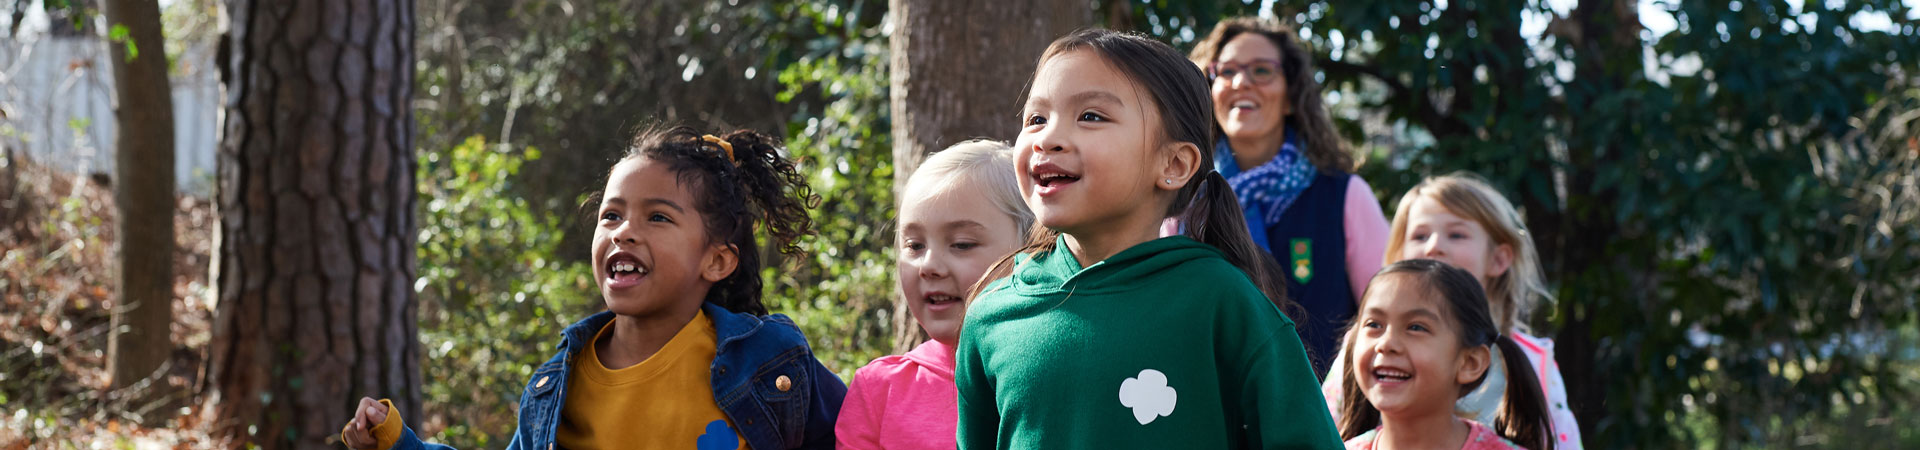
x: 1309, y: 113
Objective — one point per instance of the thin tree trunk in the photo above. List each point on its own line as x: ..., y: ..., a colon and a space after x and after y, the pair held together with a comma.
x: 1607, y: 50
x: 957, y: 68
x: 315, y: 256
x: 143, y: 193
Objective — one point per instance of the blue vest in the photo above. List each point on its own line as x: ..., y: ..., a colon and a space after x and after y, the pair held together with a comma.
x: 1317, y: 219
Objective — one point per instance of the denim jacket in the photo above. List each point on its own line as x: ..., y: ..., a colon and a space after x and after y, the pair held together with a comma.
x: 751, y: 353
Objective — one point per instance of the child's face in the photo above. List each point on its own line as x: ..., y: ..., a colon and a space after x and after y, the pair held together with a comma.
x: 1407, y: 354
x: 1086, y: 154
x: 651, y: 252
x: 947, y: 240
x: 1434, y: 232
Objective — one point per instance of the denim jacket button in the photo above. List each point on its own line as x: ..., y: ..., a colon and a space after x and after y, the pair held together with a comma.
x: 783, y: 383
x: 542, y: 382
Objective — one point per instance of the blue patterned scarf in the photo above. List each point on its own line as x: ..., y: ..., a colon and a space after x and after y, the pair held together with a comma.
x: 1266, y: 191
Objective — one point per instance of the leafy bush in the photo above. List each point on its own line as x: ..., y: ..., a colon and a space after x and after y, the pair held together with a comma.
x: 841, y: 292
x: 493, y: 300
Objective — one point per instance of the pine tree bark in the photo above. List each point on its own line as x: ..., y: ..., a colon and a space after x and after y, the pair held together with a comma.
x: 957, y: 67
x: 143, y: 193
x: 315, y: 256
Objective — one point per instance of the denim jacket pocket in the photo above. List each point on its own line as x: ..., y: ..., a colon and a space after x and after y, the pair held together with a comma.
x: 545, y: 379
x: 785, y: 385
x: 542, y: 399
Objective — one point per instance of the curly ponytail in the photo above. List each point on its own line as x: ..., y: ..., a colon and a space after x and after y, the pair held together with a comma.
x: 736, y: 182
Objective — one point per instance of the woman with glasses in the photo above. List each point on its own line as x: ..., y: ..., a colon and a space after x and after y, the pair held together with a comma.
x: 1292, y: 175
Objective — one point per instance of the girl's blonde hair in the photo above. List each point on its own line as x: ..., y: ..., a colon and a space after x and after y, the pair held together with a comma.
x: 1512, y: 295
x: 983, y: 167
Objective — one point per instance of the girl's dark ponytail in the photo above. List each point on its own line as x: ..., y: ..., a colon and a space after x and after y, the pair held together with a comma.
x: 739, y: 183
x: 1214, y: 218
x: 775, y: 187
x: 776, y: 197
x: 1523, y: 416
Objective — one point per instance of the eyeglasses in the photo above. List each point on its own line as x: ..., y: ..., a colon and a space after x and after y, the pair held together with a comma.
x: 1262, y: 71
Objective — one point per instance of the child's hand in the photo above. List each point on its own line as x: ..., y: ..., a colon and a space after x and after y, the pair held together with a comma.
x: 359, y: 434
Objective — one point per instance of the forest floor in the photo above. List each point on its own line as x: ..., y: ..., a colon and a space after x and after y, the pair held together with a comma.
x: 56, y: 298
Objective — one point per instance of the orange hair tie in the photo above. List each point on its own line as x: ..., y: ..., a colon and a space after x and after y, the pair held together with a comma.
x: 722, y: 143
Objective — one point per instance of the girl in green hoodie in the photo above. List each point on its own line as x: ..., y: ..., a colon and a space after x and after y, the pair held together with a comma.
x: 1152, y: 342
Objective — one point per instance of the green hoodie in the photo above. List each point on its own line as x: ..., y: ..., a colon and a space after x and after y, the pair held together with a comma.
x: 1164, y: 345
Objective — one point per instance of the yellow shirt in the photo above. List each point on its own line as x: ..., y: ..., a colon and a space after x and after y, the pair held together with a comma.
x: 664, y: 402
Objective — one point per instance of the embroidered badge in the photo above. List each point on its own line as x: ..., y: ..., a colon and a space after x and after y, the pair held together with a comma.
x: 1302, y: 249
x: 1149, y: 396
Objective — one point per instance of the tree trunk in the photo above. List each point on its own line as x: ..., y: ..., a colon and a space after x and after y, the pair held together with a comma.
x: 315, y: 257
x: 143, y: 193
x: 957, y: 66
x: 1607, y: 50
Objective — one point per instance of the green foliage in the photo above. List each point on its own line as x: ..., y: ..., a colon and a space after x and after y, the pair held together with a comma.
x: 577, y: 78
x: 493, y: 298
x: 842, y: 293
x: 118, y: 33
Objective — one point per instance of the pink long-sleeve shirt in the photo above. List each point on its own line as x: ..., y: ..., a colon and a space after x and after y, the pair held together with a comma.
x: 902, y: 402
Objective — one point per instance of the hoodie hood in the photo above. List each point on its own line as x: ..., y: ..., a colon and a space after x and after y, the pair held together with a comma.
x: 1057, y: 271
x: 933, y: 356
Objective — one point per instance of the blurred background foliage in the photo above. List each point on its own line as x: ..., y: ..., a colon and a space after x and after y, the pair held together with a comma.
x: 493, y: 296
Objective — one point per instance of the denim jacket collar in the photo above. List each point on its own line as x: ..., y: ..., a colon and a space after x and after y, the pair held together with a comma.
x: 764, y: 378
x: 728, y: 327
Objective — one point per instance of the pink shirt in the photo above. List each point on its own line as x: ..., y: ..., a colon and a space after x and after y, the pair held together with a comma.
x: 1366, y: 227
x: 1479, y: 437
x: 1566, y: 429
x: 902, y: 402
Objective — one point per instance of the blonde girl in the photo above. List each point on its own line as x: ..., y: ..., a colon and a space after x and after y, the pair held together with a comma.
x: 960, y: 212
x: 1461, y: 220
